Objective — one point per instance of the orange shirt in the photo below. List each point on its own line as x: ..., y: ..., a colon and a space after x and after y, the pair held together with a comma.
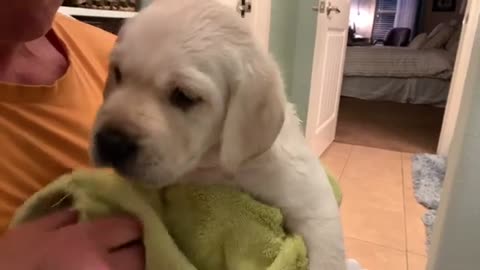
x: 45, y: 130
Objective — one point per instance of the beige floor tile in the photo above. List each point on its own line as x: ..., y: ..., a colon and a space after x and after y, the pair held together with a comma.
x: 383, y: 165
x: 413, y: 212
x: 416, y: 262
x: 407, y: 174
x: 335, y: 158
x: 385, y: 195
x: 377, y: 173
x: 375, y: 257
x: 415, y: 229
x: 373, y: 206
x: 367, y: 218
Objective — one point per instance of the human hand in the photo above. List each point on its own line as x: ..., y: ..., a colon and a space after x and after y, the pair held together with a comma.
x: 58, y: 242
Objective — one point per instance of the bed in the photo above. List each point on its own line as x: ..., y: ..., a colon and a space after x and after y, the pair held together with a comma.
x: 398, y: 74
x: 418, y: 74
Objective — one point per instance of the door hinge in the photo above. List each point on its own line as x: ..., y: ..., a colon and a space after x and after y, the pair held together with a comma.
x: 243, y: 7
x: 320, y: 7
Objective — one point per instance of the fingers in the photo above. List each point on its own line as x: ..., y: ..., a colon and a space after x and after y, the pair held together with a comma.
x: 56, y: 220
x: 128, y: 258
x: 114, y: 232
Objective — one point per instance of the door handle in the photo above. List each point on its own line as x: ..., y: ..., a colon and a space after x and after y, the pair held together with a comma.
x: 331, y: 9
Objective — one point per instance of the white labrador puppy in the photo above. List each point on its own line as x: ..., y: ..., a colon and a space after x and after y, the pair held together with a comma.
x: 192, y: 96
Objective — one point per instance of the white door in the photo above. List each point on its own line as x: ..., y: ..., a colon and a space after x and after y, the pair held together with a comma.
x: 256, y: 13
x: 327, y: 72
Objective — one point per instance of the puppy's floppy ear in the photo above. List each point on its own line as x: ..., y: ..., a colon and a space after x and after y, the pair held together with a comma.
x: 255, y: 113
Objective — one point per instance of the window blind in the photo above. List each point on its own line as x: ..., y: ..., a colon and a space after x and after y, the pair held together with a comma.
x: 385, y: 11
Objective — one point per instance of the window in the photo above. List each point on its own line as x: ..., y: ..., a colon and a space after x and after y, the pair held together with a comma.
x: 385, y: 11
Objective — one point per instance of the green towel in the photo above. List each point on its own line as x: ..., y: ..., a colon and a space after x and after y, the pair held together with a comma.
x: 185, y: 226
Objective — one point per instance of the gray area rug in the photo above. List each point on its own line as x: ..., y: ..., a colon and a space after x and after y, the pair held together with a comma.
x: 428, y: 174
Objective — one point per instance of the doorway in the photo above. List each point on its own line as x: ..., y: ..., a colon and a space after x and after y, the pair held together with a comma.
x: 393, y: 90
x: 382, y: 219
x: 399, y: 64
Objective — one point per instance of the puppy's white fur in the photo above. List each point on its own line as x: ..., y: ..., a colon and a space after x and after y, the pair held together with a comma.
x: 243, y: 132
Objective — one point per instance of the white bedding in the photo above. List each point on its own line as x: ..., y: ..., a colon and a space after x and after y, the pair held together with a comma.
x: 403, y: 90
x: 398, y: 62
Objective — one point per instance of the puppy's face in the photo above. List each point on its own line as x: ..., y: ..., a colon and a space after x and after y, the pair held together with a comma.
x: 186, y: 82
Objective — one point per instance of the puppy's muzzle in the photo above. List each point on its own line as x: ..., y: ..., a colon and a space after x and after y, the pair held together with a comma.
x: 114, y: 148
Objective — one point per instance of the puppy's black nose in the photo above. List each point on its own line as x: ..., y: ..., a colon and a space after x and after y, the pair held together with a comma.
x: 114, y: 147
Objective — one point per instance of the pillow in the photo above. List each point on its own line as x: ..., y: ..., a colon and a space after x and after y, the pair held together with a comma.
x: 418, y: 41
x: 437, y: 29
x: 452, y: 50
x: 453, y: 23
x: 453, y: 41
x: 439, y: 37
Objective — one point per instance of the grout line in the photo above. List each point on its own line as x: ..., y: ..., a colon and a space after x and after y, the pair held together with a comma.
x: 346, y: 162
x: 376, y: 244
x: 406, y: 194
x: 404, y: 207
x: 407, y: 258
x: 417, y: 254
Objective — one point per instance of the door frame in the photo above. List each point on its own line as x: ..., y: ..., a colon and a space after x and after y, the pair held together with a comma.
x: 261, y: 12
x: 456, y: 92
x: 456, y: 225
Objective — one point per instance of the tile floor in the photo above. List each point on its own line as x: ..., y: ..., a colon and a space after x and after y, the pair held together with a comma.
x: 382, y: 221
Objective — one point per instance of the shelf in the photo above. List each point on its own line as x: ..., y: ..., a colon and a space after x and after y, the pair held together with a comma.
x: 87, y: 12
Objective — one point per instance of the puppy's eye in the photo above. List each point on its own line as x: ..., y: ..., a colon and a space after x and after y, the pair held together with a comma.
x: 117, y: 74
x: 181, y: 100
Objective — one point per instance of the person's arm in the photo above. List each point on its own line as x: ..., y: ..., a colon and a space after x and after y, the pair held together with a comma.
x: 58, y: 242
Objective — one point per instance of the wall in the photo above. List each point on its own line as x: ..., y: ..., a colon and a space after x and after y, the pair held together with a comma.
x: 362, y: 12
x: 292, y: 41
x: 431, y: 19
x: 283, y: 19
